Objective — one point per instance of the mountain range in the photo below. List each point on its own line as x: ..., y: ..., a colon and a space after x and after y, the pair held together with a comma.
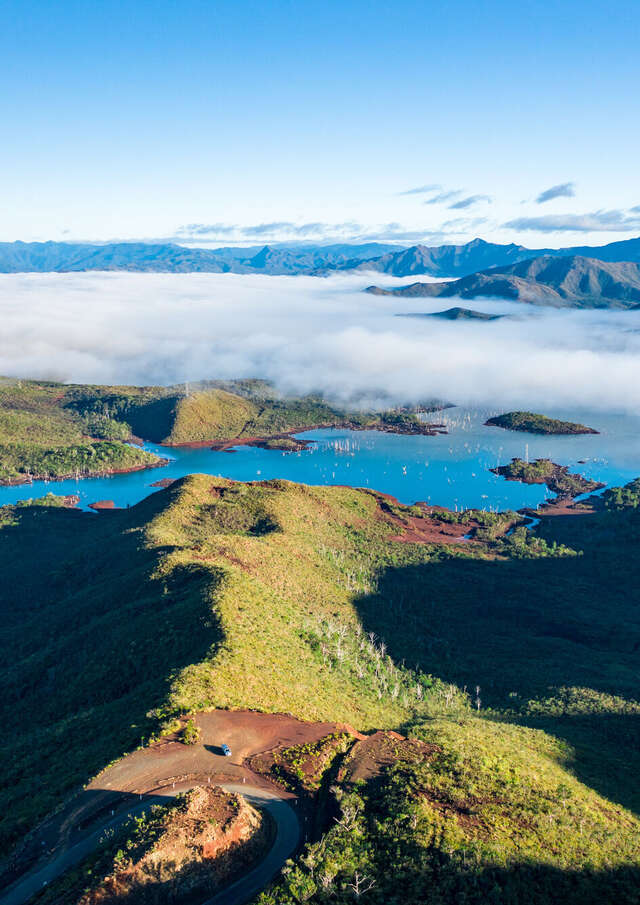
x: 42, y: 257
x: 561, y: 282
x: 319, y: 260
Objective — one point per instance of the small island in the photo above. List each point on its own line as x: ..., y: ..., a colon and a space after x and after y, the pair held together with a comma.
x: 543, y: 471
x: 458, y: 314
x: 532, y: 423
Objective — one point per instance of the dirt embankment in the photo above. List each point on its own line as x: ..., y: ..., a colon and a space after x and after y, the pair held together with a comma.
x: 202, y: 846
x: 370, y: 755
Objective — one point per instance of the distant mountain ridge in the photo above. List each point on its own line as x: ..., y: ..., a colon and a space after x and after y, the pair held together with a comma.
x: 318, y: 260
x: 561, y: 282
x: 142, y: 257
x: 463, y: 260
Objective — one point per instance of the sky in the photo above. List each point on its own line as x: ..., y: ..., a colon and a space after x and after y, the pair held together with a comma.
x: 221, y: 122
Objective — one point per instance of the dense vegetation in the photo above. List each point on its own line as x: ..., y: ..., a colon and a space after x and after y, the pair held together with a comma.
x: 558, y: 478
x: 49, y: 430
x: 532, y: 423
x: 491, y: 815
x: 621, y: 498
x: 282, y: 597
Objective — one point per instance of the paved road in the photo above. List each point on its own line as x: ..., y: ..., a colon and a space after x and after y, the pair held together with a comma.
x: 286, y: 841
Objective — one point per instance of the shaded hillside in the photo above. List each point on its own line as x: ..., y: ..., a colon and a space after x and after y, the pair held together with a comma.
x: 561, y: 282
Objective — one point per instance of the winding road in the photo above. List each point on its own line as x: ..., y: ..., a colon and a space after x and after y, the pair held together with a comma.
x: 157, y: 774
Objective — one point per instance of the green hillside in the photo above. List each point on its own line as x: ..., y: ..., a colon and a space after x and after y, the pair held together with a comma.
x: 53, y: 430
x: 282, y: 597
x: 491, y: 814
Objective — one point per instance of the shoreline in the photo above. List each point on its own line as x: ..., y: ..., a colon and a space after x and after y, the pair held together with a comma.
x: 105, y: 473
x: 429, y: 429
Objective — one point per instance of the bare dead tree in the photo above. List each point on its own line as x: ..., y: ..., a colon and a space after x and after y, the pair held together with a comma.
x: 361, y: 884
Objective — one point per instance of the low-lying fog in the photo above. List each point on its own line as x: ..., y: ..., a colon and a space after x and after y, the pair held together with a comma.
x: 307, y: 333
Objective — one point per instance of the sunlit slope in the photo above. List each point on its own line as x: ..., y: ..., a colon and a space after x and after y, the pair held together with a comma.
x: 51, y: 429
x: 491, y: 813
x: 208, y: 594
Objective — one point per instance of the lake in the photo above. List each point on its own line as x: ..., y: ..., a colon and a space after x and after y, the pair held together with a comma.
x: 448, y: 470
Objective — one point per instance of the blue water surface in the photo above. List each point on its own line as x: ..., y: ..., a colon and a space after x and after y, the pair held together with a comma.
x: 449, y: 470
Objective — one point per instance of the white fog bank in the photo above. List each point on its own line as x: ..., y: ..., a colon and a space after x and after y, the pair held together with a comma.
x: 308, y: 333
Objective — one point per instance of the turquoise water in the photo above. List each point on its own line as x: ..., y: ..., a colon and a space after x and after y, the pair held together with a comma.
x: 449, y: 470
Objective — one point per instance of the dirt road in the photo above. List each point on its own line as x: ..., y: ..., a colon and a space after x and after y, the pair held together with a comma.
x: 158, y: 773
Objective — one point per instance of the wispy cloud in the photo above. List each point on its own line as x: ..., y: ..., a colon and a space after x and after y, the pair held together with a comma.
x: 469, y: 202
x: 564, y: 190
x: 463, y: 225
x: 598, y: 221
x: 286, y: 231
x: 421, y: 190
x: 444, y: 196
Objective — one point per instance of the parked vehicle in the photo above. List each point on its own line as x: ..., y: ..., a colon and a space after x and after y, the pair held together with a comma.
x: 226, y: 750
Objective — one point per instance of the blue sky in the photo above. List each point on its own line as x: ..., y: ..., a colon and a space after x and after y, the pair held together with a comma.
x: 221, y: 121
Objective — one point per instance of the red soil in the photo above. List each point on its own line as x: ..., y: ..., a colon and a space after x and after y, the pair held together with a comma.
x: 164, y: 482
x: 561, y: 507
x: 416, y: 530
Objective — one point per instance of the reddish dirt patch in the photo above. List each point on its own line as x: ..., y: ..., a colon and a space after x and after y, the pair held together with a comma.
x: 202, y: 845
x: 102, y: 504
x: 432, y: 531
x: 370, y: 756
x: 560, y: 507
x: 428, y: 530
x: 164, y: 482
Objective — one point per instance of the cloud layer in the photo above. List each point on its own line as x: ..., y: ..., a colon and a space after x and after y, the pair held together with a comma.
x: 313, y: 334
